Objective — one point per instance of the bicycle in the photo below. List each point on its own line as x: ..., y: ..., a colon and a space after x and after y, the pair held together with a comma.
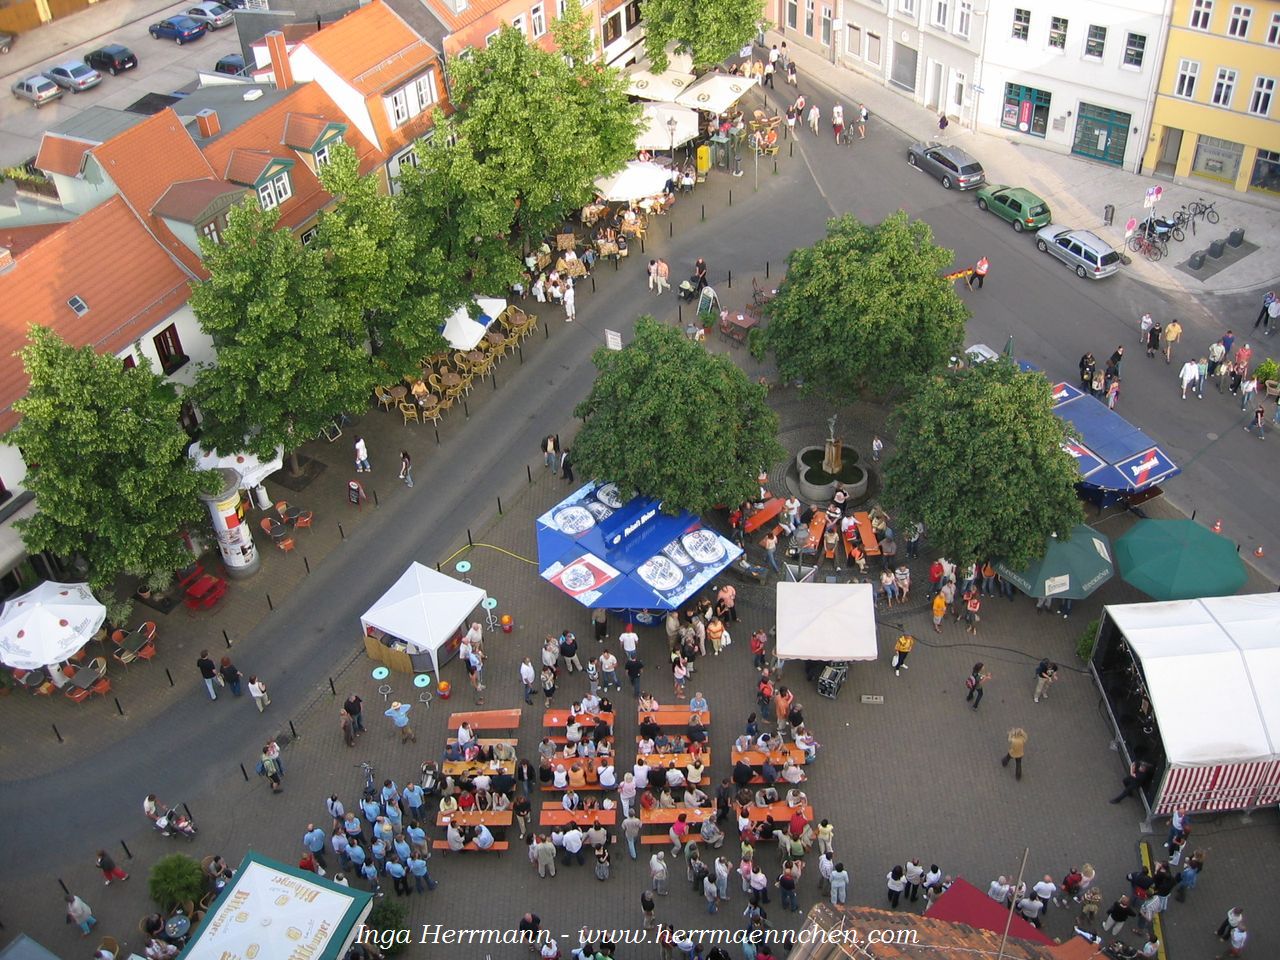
x: 367, y: 769
x: 1149, y: 247
x: 1205, y: 210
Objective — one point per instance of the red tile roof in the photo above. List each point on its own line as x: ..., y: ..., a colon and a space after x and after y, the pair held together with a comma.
x: 456, y: 20
x: 302, y: 130
x: 61, y: 154
x: 109, y: 260
x: 247, y: 166
x: 371, y: 47
x: 18, y: 239
x: 188, y: 199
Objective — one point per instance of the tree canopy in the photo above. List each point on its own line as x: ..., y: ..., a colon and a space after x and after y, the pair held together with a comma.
x: 533, y: 129
x: 980, y: 461
x: 710, y: 31
x: 106, y: 460
x: 291, y: 354
x: 369, y: 251
x: 669, y: 420
x: 865, y: 309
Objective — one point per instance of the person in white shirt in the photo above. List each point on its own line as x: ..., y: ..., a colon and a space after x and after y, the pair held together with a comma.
x: 560, y: 777
x: 1030, y: 908
x: 629, y: 639
x: 608, y: 778
x: 481, y: 781
x: 641, y: 774
x: 527, y: 678
x: 791, y: 773
x: 999, y: 890
x: 627, y: 793
x: 675, y: 776
x: 483, y: 838
x: 571, y: 800
x: 573, y: 846
x: 465, y: 734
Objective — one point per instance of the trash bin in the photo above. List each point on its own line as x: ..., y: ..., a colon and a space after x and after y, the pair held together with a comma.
x: 1197, y: 260
x: 1108, y: 213
x: 1235, y: 237
x: 1217, y: 248
x: 704, y: 158
x: 507, y: 623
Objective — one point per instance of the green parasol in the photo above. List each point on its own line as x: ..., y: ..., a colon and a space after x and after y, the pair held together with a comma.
x: 1072, y: 568
x: 1179, y: 560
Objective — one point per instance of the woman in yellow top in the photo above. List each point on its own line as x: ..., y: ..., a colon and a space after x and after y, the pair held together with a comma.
x: 715, y: 633
x: 1017, y: 747
x: 901, y: 650
x: 939, y: 611
x: 577, y: 777
x: 448, y: 804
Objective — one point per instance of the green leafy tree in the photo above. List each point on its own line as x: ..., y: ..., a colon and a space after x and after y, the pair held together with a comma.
x: 980, y: 462
x: 368, y: 247
x: 533, y: 129
x: 174, y: 880
x: 672, y: 421
x: 106, y: 460
x: 865, y: 309
x: 291, y: 355
x: 710, y: 31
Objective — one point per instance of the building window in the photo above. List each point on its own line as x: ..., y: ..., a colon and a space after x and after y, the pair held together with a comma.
x: 908, y: 7
x: 1217, y: 159
x: 561, y: 7
x: 169, y: 349
x: 188, y: 419
x: 130, y: 363
x: 792, y: 13
x: 210, y: 230
x: 873, y: 48
x: 1224, y: 87
x: 1266, y: 172
x: 321, y: 156
x: 517, y: 23
x: 1260, y: 100
x: 808, y: 17
x: 1021, y: 23
x: 853, y: 41
x: 957, y: 96
x: 1201, y: 14
x: 1026, y: 109
x: 1058, y: 33
x: 1135, y: 48
x: 309, y: 235
x: 826, y: 26
x: 78, y: 306
x: 488, y: 41
x: 634, y: 14
x: 266, y: 197
x: 613, y: 28
x: 412, y: 99
x: 941, y: 12
x: 964, y: 17
x: 1273, y: 31
x: 400, y: 106
x: 1239, y: 26
x: 425, y: 89
x: 1188, y: 71
x: 538, y: 20
x: 275, y: 191
x: 1096, y: 42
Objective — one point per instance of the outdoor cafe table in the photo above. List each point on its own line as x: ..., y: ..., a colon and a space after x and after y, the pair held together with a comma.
x: 34, y: 679
x: 177, y: 926
x: 495, y: 337
x: 84, y: 679
x: 560, y: 718
x: 669, y: 815
x: 134, y: 642
x: 476, y: 357
x: 473, y: 818
x: 755, y: 758
x: 451, y: 379
x: 781, y: 812
x: 398, y: 391
x: 487, y: 719
x: 470, y: 768
x: 292, y: 514
x: 673, y: 716
x: 663, y: 760
x: 817, y: 526
x: 556, y: 816
x: 736, y: 326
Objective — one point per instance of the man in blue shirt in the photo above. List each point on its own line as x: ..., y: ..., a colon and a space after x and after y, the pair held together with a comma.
x: 483, y: 838
x: 370, y: 873
x: 417, y: 836
x: 398, y: 875
x: 413, y: 798
x: 418, y: 870
x: 389, y: 792
x: 399, y: 716
x: 372, y: 809
x: 357, y: 856
x: 313, y: 840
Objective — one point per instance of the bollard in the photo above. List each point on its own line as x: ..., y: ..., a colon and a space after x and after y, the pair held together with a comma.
x: 227, y: 639
x: 119, y: 709
x: 305, y: 564
x: 529, y: 472
x: 615, y: 264
x: 731, y: 198
x: 332, y: 688
x: 169, y: 675
x: 493, y: 378
x: 341, y: 533
x: 520, y: 348
x: 128, y: 854
x: 680, y: 313
x: 245, y: 772
x: 270, y: 605
x: 593, y: 283
x: 437, y: 429
x: 671, y: 230
x: 293, y: 731
x: 730, y: 279
x: 642, y: 243
x: 704, y: 211
x: 375, y: 499
x: 56, y: 733
x: 775, y: 167
x: 499, y: 506
x: 469, y: 543
x: 466, y: 410
x: 766, y: 269
x: 791, y: 150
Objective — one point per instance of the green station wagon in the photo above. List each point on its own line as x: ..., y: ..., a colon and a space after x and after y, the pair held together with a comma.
x: 1019, y: 206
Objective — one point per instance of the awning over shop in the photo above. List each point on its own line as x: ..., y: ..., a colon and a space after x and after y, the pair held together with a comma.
x: 605, y: 552
x: 1112, y: 453
x: 826, y: 621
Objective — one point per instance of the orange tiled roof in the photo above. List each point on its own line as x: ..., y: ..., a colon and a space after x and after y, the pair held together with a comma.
x: 371, y: 47
x: 18, y: 239
x: 129, y: 283
x: 186, y: 200
x: 456, y: 20
x: 246, y: 166
x: 302, y: 130
x: 61, y: 154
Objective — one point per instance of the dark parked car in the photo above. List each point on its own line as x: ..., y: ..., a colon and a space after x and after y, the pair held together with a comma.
x: 113, y: 59
x: 180, y: 29
x: 951, y: 165
x: 232, y: 65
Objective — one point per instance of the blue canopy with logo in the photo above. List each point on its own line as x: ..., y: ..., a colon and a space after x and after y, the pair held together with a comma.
x: 607, y: 553
x: 1114, y: 456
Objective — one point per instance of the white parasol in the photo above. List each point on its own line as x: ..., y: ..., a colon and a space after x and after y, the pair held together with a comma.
x: 48, y: 624
x: 636, y: 180
x: 715, y: 92
x: 656, y: 131
x: 657, y: 86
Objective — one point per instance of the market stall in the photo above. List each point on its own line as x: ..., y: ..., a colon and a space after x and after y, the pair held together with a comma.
x: 605, y: 551
x: 1191, y: 689
x: 827, y: 625
x: 417, y: 624
x: 270, y: 910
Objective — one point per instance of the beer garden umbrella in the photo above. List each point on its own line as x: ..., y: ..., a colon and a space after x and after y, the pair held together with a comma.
x: 636, y: 180
x: 1071, y: 568
x: 1179, y: 560
x: 48, y: 624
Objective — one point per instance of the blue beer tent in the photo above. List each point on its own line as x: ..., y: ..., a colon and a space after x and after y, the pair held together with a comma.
x: 605, y: 552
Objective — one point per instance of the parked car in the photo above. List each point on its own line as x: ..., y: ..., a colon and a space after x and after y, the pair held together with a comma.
x: 181, y: 29
x: 6, y: 41
x: 1087, y: 253
x: 74, y: 75
x: 232, y: 65
x: 39, y: 90
x: 112, y: 58
x: 214, y: 15
x: 951, y: 165
x: 1019, y: 206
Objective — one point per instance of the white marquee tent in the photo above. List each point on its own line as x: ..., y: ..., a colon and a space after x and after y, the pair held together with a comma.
x: 1210, y: 667
x: 826, y: 621
x: 462, y: 332
x: 424, y: 609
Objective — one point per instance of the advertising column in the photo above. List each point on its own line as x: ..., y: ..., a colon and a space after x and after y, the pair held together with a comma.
x: 235, y: 540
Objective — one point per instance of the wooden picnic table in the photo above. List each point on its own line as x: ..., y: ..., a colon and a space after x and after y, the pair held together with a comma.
x: 867, y: 534
x: 560, y: 718
x: 487, y: 719
x: 473, y: 818
x: 670, y: 716
x: 681, y: 760
x: 470, y: 768
x: 559, y: 817
x: 780, y: 812
x: 769, y: 511
x: 669, y: 815
x: 817, y: 526
x: 755, y: 758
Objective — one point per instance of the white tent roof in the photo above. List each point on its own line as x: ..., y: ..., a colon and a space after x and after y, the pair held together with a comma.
x: 654, y: 133
x: 657, y: 86
x: 423, y: 608
x: 462, y: 332
x: 826, y: 621
x: 716, y: 92
x: 1211, y: 667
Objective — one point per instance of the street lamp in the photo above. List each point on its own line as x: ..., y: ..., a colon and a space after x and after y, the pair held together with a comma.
x: 671, y: 131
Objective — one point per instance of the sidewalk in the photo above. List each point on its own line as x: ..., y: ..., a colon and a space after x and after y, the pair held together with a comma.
x: 1077, y: 189
x: 34, y: 48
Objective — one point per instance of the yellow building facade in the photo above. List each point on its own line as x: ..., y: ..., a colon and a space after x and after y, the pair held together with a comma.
x: 1217, y: 109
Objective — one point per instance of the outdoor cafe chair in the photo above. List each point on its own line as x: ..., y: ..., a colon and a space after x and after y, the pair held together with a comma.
x: 98, y: 665
x: 303, y: 520
x: 410, y: 412
x: 431, y: 413
x: 76, y: 694
x: 147, y: 652
x: 281, y: 506
x: 111, y: 945
x: 123, y: 656
x: 385, y: 400
x: 437, y: 385
x: 285, y: 544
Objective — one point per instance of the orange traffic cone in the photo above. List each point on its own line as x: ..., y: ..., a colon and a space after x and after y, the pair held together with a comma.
x: 1217, y: 526
x: 1258, y: 552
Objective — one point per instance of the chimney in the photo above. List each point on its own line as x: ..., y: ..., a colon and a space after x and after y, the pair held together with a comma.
x: 207, y: 123
x: 6, y: 259
x: 280, y: 70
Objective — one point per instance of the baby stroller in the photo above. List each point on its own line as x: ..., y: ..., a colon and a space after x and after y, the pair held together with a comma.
x: 688, y: 289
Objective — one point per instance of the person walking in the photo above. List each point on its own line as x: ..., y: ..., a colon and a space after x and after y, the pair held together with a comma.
x: 258, y: 690
x: 1172, y: 334
x: 78, y: 912
x: 314, y: 842
x: 208, y: 673
x: 406, y: 468
x: 348, y: 728
x: 839, y: 881
x: 1154, y: 336
x: 398, y: 713
x: 815, y: 114
x: 1270, y: 311
x: 837, y: 121
x: 566, y: 465
x: 877, y: 447
x: 943, y: 123
x: 109, y: 869
x: 652, y: 270
x: 548, y: 678
x: 1016, y: 749
x: 769, y: 69
x: 362, y: 456
x: 664, y: 276
x: 1202, y: 374
x: 658, y: 873
x: 354, y: 709
x: 980, y: 270
x: 863, y: 116
x: 770, y: 544
x: 1118, y: 914
x: 527, y: 679
x: 1144, y: 328
x: 901, y: 650
x: 1188, y: 375
x: 1217, y: 362
x: 1248, y: 387
x: 569, y: 651
x: 551, y: 451
x: 1113, y: 394
x: 570, y: 303
x: 939, y: 610
x: 230, y: 676
x: 269, y: 766
x: 1046, y: 675
x: 973, y: 683
x: 895, y: 883
x: 972, y: 604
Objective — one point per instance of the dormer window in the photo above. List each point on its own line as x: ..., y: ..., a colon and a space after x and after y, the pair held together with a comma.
x: 412, y: 99
x: 275, y: 191
x: 78, y: 306
x: 321, y: 156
